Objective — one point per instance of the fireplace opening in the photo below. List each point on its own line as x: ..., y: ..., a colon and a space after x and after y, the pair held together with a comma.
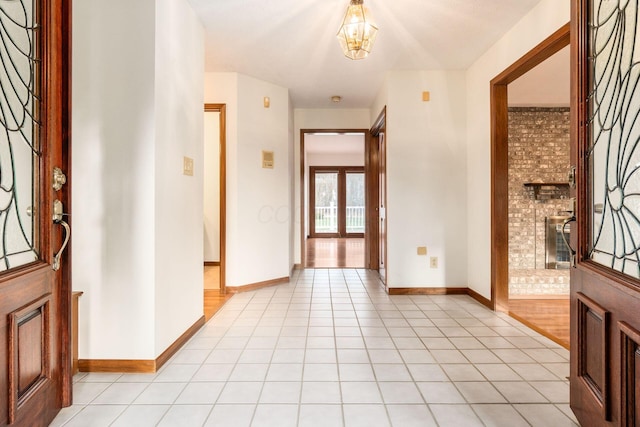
x: 557, y: 253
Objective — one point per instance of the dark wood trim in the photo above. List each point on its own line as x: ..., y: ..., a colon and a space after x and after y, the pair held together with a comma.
x: 222, y: 109
x: 298, y: 267
x: 428, y: 291
x: 117, y: 365
x: 74, y: 332
x: 499, y: 161
x: 66, y: 287
x: 499, y: 198
x: 593, y: 348
x: 303, y: 211
x: 179, y: 343
x: 140, y: 366
x: 376, y: 163
x: 536, y: 56
x: 629, y: 347
x: 482, y: 300
x: 257, y: 285
x: 212, y: 263
x: 42, y: 307
x: 371, y: 240
x: 381, y: 122
x: 579, y: 130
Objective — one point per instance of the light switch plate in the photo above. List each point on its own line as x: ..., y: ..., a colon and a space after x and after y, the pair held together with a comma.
x: 267, y: 159
x: 187, y: 168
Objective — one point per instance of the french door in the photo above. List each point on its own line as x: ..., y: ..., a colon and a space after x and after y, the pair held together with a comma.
x: 35, y: 296
x: 605, y: 283
x: 337, y: 201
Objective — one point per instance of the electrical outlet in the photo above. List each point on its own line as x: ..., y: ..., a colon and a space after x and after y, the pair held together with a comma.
x: 422, y: 250
x: 433, y: 262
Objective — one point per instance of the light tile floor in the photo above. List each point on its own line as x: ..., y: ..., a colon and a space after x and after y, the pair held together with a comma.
x: 333, y: 349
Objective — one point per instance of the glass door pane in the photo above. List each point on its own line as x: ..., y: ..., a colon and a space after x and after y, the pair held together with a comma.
x: 355, y: 217
x: 19, y: 139
x: 326, y: 202
x: 614, y: 152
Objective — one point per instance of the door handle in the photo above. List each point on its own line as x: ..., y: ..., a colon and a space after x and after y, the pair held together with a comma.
x: 57, y: 219
x: 572, y: 252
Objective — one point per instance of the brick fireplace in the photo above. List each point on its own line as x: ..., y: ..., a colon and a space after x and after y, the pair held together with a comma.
x: 538, y: 167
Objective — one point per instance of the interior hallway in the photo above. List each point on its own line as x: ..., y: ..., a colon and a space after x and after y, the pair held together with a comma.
x: 331, y: 348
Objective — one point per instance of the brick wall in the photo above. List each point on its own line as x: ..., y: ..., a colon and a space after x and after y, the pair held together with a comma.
x: 538, y: 152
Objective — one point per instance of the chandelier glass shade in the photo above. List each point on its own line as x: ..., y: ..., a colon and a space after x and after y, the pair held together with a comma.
x: 357, y: 33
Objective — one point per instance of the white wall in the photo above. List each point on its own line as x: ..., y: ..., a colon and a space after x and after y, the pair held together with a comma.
x: 178, y: 198
x: 127, y: 186
x: 379, y: 103
x: 426, y: 191
x: 258, y: 200
x: 211, y: 171
x: 114, y: 172
x: 332, y: 159
x: 319, y: 119
x: 543, y: 20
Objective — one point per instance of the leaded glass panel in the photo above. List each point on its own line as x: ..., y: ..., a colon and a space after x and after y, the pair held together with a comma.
x: 19, y: 133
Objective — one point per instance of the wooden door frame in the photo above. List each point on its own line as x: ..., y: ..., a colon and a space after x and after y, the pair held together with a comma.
x: 341, y: 171
x: 373, y: 155
x: 222, y: 109
x: 303, y: 211
x: 65, y: 32
x: 500, y: 164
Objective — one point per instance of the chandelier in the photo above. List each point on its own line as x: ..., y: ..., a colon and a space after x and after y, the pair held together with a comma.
x: 357, y: 32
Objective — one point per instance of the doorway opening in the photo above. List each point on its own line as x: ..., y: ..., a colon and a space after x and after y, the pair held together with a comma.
x: 214, y: 209
x: 530, y: 190
x: 334, y: 209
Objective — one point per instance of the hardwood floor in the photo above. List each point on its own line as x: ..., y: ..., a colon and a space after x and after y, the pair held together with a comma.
x: 211, y: 277
x: 335, y: 253
x: 213, y: 299
x: 550, y: 317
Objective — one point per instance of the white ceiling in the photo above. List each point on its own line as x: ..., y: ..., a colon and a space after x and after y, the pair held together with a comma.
x: 292, y: 43
x: 547, y: 85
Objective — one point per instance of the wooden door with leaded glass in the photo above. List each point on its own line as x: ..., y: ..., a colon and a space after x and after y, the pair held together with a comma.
x: 35, y: 361
x: 605, y: 281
